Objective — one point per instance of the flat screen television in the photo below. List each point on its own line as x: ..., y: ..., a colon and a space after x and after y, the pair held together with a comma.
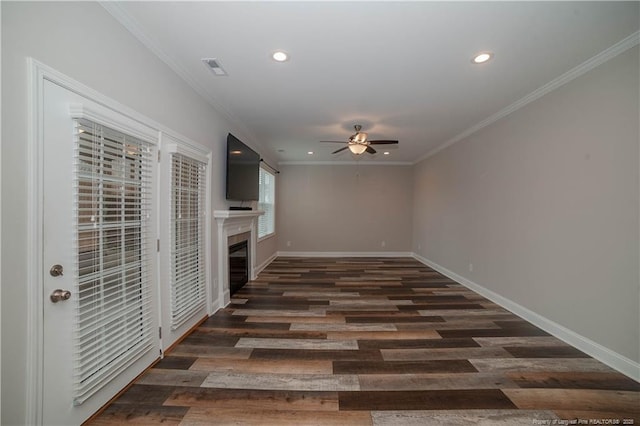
x: 243, y: 171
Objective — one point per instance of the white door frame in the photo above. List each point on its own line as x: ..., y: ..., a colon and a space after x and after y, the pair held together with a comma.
x: 38, y: 74
x: 35, y: 244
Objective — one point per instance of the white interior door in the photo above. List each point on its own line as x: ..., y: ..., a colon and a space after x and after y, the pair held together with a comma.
x: 100, y: 302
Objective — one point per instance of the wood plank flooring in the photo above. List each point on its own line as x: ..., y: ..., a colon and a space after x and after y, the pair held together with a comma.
x: 371, y: 341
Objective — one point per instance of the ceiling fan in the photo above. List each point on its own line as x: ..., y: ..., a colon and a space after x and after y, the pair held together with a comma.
x: 358, y: 143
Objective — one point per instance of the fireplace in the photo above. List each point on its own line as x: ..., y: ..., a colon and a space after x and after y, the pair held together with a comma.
x: 238, y: 265
x: 235, y: 229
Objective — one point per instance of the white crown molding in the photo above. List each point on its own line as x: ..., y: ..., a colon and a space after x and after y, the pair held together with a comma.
x: 568, y: 76
x: 603, y: 354
x: 345, y: 163
x: 130, y: 24
x: 127, y: 21
x: 118, y: 12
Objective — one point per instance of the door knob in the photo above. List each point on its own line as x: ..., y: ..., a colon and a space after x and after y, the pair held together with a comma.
x: 56, y: 271
x: 59, y: 295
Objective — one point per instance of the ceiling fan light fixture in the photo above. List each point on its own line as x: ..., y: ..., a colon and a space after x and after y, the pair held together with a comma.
x: 357, y: 148
x: 359, y: 144
x: 360, y: 137
x: 280, y: 56
x: 482, y: 57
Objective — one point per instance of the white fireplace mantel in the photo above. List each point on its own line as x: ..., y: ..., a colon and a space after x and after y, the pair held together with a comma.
x: 234, y: 222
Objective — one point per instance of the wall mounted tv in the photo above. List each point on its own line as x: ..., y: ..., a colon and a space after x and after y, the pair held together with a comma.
x: 243, y: 171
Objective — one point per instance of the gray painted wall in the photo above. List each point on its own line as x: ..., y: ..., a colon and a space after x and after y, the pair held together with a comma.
x: 353, y: 208
x: 545, y: 204
x: 83, y: 41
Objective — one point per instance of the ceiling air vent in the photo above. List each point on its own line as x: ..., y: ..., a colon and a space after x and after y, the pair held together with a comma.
x: 214, y: 65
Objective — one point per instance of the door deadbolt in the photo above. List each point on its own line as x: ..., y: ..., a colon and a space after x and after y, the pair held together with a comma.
x: 59, y: 295
x: 56, y: 270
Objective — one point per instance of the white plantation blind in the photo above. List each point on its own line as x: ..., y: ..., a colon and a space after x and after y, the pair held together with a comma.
x: 113, y: 173
x: 266, y: 202
x: 188, y: 214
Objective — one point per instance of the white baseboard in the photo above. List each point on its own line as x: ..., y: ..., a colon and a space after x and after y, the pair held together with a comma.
x: 266, y: 263
x: 605, y: 355
x: 345, y: 254
x: 218, y: 304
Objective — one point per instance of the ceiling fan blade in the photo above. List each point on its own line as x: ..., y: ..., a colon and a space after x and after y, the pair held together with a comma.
x: 383, y: 142
x: 333, y: 142
x: 338, y: 150
x: 371, y: 150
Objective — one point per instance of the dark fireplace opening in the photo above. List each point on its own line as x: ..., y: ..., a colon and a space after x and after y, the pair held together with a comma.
x: 238, y: 266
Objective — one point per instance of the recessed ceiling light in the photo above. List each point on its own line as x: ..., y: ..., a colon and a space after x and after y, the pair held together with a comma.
x: 482, y: 57
x: 280, y: 56
x: 310, y: 152
x: 386, y: 153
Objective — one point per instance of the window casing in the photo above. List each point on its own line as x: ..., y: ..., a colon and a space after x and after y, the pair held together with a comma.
x: 113, y: 181
x: 188, y: 252
x: 266, y: 203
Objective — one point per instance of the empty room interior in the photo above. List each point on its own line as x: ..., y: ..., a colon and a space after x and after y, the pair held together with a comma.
x: 318, y: 212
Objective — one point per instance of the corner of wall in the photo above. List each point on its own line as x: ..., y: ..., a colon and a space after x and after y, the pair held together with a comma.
x: 613, y: 359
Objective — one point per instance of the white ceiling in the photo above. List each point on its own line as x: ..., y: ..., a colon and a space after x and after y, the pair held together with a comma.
x: 401, y: 69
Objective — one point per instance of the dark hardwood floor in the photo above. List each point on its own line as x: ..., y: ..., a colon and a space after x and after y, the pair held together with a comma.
x: 382, y: 341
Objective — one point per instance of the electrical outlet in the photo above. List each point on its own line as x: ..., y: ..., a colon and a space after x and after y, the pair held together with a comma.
x: 383, y: 244
x: 288, y: 243
x: 471, y: 267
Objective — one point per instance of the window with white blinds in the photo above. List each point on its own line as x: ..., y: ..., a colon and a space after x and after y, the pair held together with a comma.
x: 113, y: 190
x: 188, y: 259
x: 266, y: 202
